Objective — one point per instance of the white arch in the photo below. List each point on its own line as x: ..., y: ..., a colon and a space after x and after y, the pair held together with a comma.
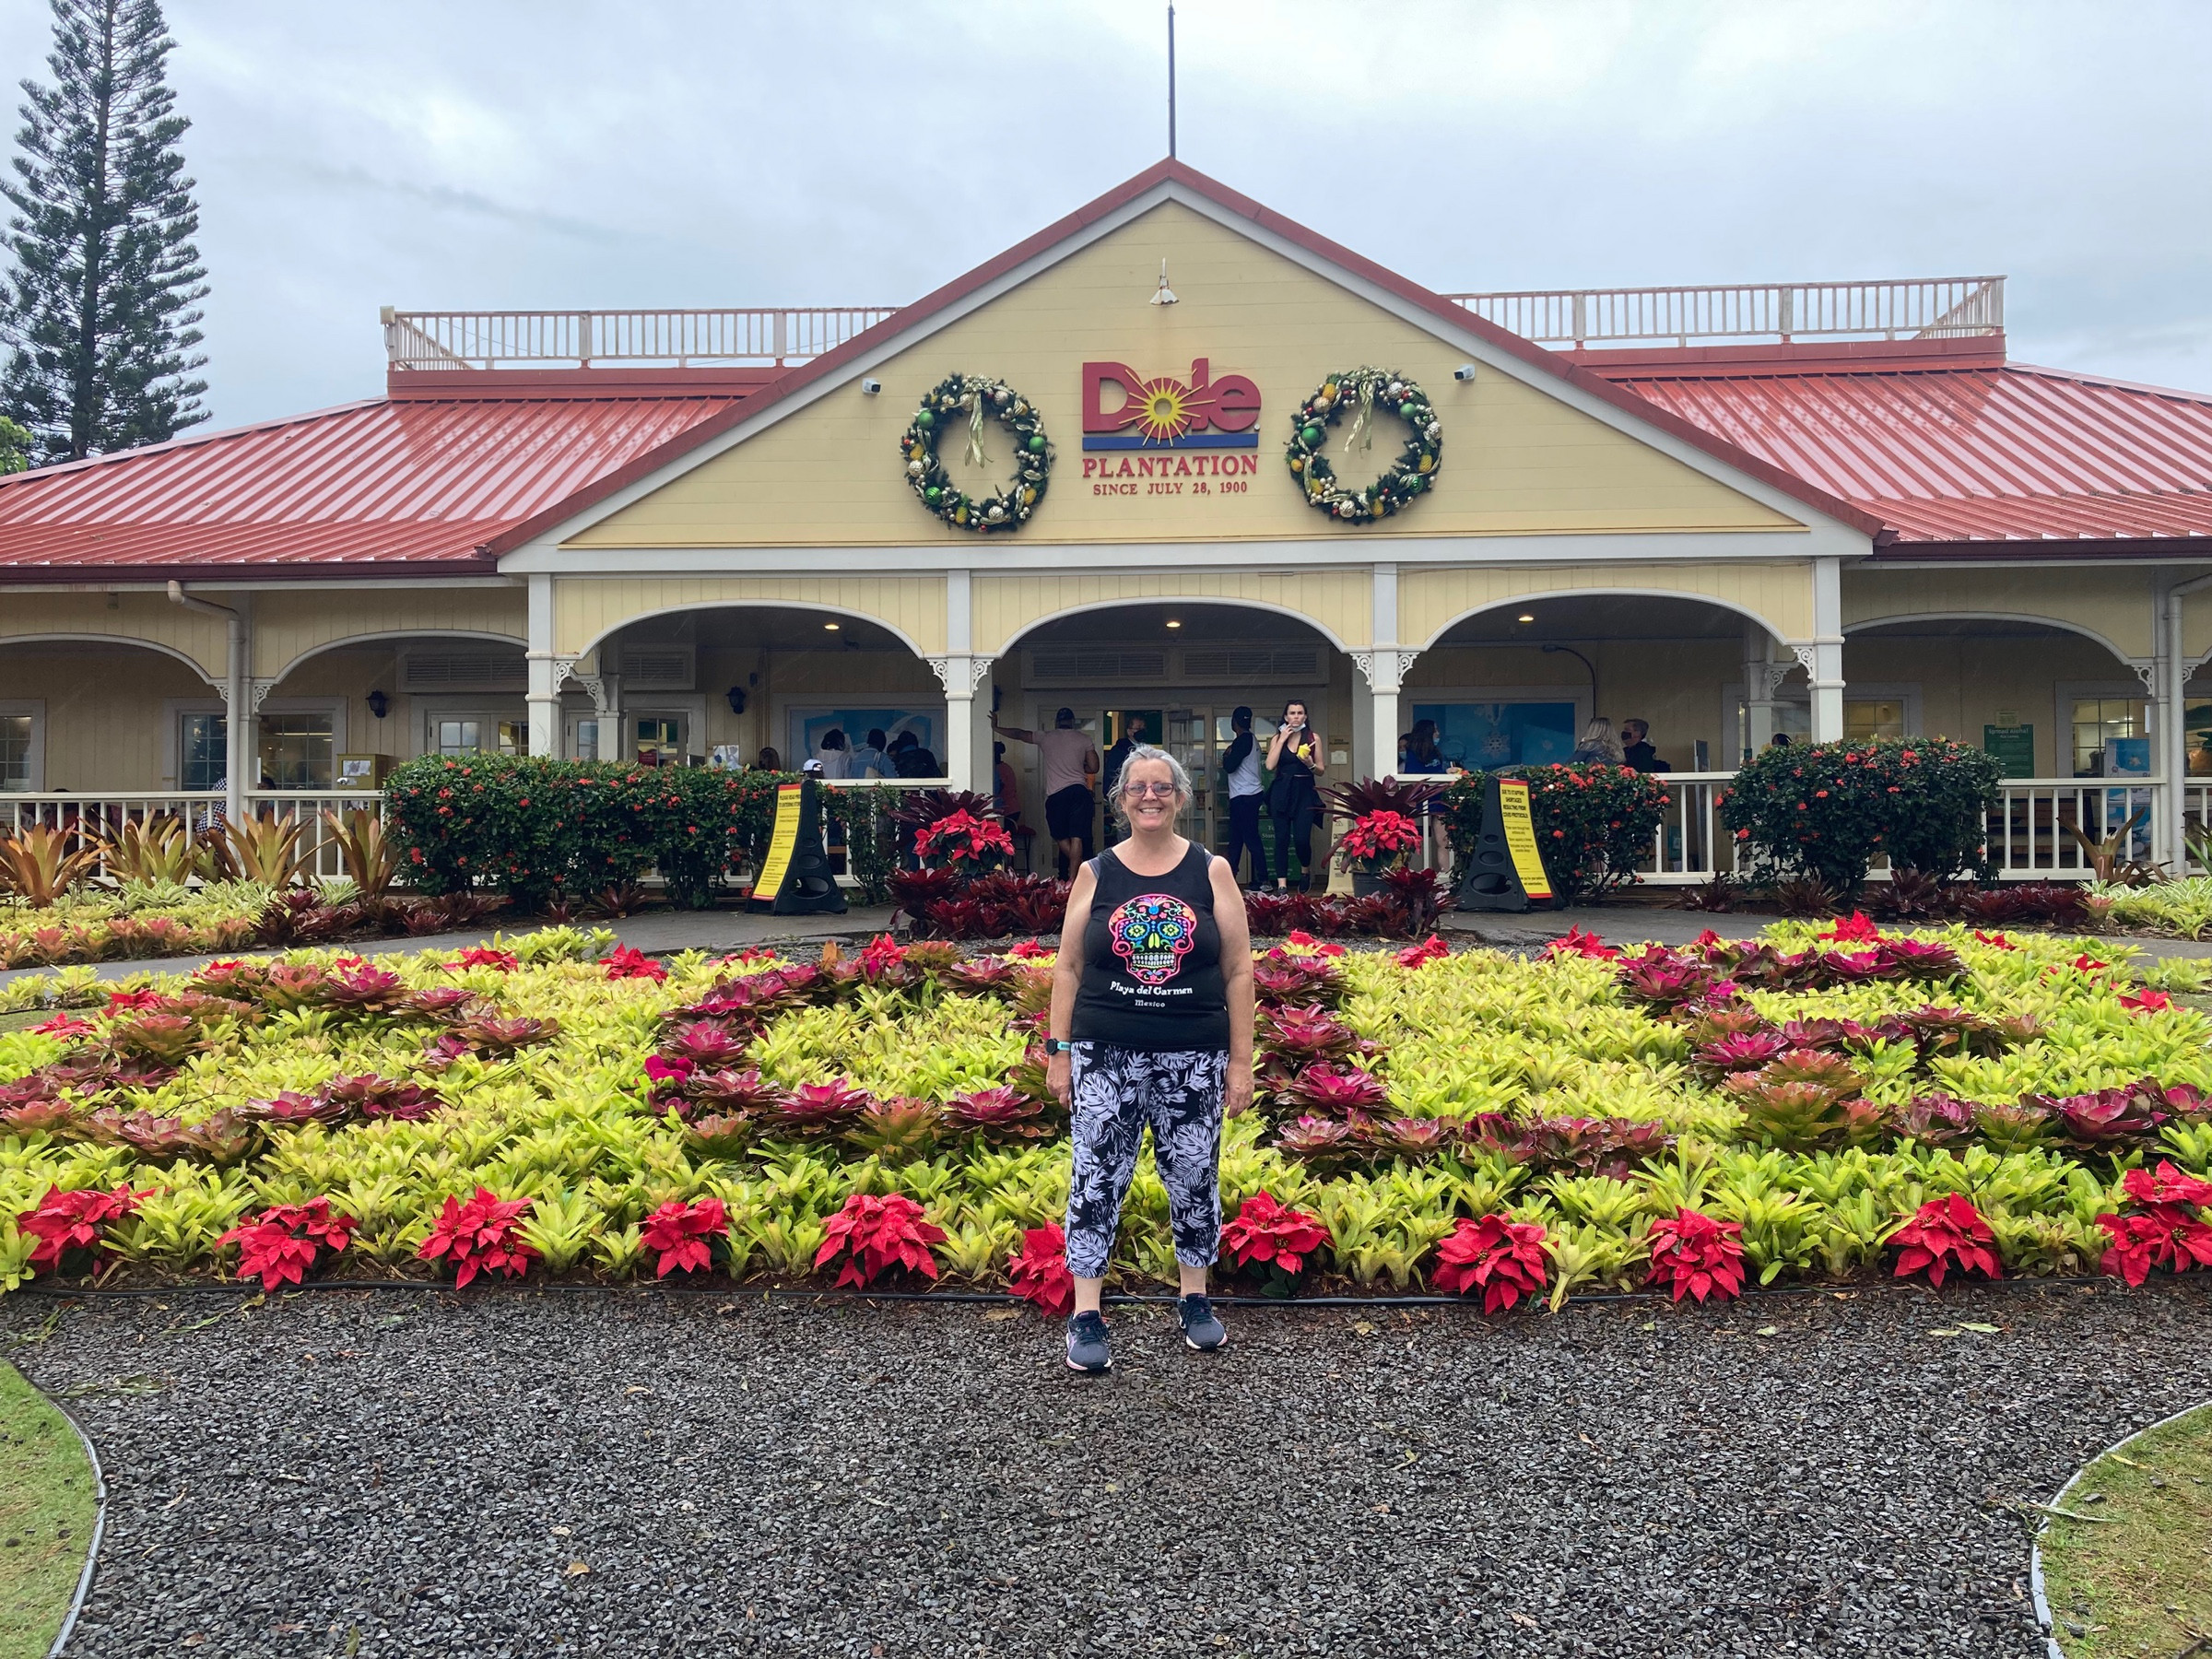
x: 897, y: 632
x: 399, y: 633
x: 1228, y: 601
x: 1963, y: 616
x: 182, y: 656
x: 1553, y: 594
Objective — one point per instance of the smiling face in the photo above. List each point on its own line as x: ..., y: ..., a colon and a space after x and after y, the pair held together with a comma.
x: 1142, y: 804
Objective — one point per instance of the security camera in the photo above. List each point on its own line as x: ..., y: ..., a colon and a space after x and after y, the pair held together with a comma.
x: 1465, y: 371
x: 871, y: 386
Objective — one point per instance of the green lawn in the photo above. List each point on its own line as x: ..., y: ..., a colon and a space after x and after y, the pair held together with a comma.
x: 2141, y: 1584
x: 45, y: 1517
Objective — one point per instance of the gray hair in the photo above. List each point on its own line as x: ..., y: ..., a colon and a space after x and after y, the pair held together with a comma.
x: 1176, y: 775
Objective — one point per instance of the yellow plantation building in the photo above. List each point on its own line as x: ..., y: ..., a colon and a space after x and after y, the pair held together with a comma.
x: 1816, y: 510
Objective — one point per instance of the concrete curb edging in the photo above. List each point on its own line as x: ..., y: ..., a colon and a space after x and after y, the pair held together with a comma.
x: 2035, y: 1549
x: 99, y: 1524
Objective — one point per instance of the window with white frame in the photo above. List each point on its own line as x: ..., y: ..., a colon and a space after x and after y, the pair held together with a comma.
x: 485, y: 734
x: 202, y: 749
x: 22, y: 747
x: 297, y: 750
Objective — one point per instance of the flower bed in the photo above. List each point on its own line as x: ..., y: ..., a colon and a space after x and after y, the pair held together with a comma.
x: 1506, y: 1129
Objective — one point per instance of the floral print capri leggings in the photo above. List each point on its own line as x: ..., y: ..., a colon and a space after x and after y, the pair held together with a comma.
x: 1116, y: 1093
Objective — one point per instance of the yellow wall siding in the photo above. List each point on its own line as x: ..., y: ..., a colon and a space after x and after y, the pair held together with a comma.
x: 1339, y: 602
x: 2196, y: 626
x: 105, y: 716
x: 138, y: 617
x: 2116, y: 605
x: 587, y: 608
x: 287, y: 626
x: 1965, y: 683
x: 1780, y: 593
x: 1674, y: 685
x: 1516, y: 460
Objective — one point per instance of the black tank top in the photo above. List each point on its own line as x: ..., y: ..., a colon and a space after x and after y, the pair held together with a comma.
x: 1152, y: 959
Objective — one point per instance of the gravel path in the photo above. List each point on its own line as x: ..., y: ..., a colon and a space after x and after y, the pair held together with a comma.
x: 620, y: 1474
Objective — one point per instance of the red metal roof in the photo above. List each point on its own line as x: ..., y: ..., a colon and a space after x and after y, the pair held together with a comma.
x: 1994, y: 452
x: 416, y: 482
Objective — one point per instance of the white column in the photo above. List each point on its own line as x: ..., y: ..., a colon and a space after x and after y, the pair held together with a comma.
x: 545, y: 671
x: 965, y: 733
x: 241, y: 716
x: 1824, y: 659
x: 1383, y: 668
x: 2170, y: 741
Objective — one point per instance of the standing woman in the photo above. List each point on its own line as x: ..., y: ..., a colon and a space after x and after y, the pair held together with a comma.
x: 1293, y: 800
x: 1151, y: 1024
x: 1240, y: 775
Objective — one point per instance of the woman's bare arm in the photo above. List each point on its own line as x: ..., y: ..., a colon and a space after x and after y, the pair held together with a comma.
x: 1067, y: 975
x: 1236, y: 974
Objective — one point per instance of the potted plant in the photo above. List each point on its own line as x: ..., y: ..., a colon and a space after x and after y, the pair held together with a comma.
x: 964, y: 844
x: 1385, y: 817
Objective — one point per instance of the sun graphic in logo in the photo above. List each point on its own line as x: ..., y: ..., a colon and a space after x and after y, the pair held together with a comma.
x: 1163, y: 410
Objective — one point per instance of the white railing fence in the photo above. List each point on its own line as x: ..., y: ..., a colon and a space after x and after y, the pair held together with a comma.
x: 770, y: 335
x: 1913, y: 308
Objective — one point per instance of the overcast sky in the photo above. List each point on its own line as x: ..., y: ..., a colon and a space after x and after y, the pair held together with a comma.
x: 493, y: 153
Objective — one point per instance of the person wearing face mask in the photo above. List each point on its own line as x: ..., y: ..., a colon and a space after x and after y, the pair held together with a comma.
x: 1294, y: 798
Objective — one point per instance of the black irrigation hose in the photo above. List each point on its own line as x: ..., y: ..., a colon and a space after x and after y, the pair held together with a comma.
x: 1007, y: 1298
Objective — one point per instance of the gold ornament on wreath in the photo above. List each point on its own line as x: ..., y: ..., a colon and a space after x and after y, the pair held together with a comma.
x: 1369, y: 395
x: 969, y: 401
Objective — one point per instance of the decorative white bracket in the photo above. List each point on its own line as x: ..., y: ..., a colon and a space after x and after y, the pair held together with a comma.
x: 1394, y: 665
x: 2148, y: 674
x: 979, y: 670
x: 1805, y: 654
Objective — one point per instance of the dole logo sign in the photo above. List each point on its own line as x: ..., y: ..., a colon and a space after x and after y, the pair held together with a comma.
x: 1126, y: 411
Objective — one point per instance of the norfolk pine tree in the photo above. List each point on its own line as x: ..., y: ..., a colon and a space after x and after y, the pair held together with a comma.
x: 99, y: 309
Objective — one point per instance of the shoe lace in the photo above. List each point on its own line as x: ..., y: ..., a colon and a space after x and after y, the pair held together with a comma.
x: 1196, y: 1308
x: 1091, y: 1326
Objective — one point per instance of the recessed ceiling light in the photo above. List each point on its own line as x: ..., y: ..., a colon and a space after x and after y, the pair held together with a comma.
x: 1172, y: 623
x: 831, y: 626
x: 1525, y: 617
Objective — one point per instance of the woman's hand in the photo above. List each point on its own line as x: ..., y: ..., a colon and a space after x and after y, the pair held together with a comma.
x: 1236, y: 1094
x: 1059, y: 1076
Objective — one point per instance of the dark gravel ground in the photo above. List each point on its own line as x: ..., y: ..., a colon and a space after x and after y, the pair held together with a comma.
x: 622, y: 1474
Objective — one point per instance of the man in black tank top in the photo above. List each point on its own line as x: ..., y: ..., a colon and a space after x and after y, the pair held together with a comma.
x: 1151, y: 1027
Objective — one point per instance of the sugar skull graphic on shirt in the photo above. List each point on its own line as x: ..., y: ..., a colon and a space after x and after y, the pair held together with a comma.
x: 1152, y: 933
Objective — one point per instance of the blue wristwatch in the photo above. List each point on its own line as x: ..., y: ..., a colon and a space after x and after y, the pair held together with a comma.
x: 1053, y: 1045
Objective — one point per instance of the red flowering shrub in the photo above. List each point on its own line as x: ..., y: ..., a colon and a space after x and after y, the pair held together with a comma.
x: 1503, y: 1258
x: 682, y: 1236
x: 66, y: 1221
x: 1038, y: 1272
x: 626, y: 964
x: 1829, y: 809
x: 279, y: 1245
x: 481, y: 1236
x: 1263, y: 1233
x: 1697, y: 1255
x: 1431, y: 949
x: 964, y: 844
x: 1593, y: 824
x: 1945, y: 1233
x: 2147, y: 1002
x: 1377, y: 841
x: 873, y: 1235
x: 2164, y: 1225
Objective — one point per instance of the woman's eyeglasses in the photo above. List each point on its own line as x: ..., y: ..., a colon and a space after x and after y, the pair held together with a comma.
x: 1158, y: 792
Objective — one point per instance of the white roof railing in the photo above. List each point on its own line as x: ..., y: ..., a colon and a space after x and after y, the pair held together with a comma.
x: 1921, y: 307
x: 767, y: 336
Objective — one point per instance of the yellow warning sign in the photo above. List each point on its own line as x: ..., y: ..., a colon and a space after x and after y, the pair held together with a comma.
x: 782, y: 841
x: 1521, y: 837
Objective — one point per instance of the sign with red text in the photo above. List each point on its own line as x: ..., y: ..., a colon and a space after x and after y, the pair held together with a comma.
x: 1160, y: 435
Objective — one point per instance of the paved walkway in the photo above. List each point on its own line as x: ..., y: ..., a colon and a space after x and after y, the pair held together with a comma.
x: 610, y: 1473
x: 718, y: 931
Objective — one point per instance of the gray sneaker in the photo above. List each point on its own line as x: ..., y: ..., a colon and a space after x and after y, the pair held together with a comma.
x: 1087, y: 1348
x: 1201, y: 1329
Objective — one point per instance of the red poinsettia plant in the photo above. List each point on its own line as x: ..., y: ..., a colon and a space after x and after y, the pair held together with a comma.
x: 964, y: 844
x: 1581, y: 941
x: 625, y: 962
x: 1946, y: 1233
x: 1038, y: 1272
x: 2163, y: 1224
x: 1431, y: 949
x: 278, y: 1245
x: 682, y: 1236
x: 484, y: 956
x: 1267, y: 1233
x: 872, y: 1235
x: 1502, y: 1258
x: 65, y: 1222
x: 1377, y: 841
x: 1696, y: 1255
x: 485, y: 1235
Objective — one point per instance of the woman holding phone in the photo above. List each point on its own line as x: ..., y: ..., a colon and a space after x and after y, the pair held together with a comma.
x: 1294, y: 798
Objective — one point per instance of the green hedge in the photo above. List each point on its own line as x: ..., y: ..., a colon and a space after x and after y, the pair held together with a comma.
x: 1829, y: 809
x: 540, y: 829
x: 1593, y: 824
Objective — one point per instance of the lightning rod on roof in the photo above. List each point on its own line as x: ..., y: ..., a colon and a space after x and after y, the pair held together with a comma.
x: 1171, y: 82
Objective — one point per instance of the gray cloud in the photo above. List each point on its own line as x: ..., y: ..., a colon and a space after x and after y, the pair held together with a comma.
x: 570, y: 152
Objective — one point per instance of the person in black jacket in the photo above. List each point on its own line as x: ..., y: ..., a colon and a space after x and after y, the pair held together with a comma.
x: 910, y: 759
x: 1241, y: 783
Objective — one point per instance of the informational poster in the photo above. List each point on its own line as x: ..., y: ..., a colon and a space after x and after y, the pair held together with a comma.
x: 782, y: 841
x: 2014, y: 746
x: 1521, y: 837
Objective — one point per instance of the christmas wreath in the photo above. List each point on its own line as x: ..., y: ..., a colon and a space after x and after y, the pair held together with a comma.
x: 1370, y: 393
x: 978, y: 399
